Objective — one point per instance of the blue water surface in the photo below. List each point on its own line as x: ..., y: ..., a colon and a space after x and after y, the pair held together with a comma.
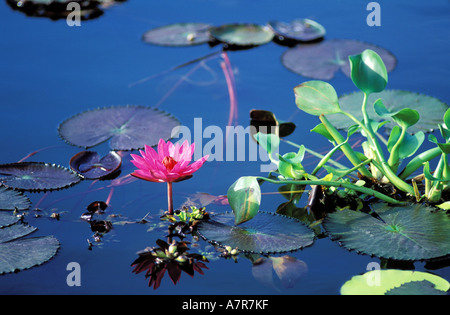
x: 50, y: 71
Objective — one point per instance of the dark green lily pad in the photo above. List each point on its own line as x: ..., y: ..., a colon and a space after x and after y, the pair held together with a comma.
x: 299, y: 30
x: 265, y: 233
x: 430, y: 109
x: 179, y: 34
x: 321, y: 61
x: 36, y: 176
x: 416, y: 288
x: 125, y: 127
x: 244, y: 35
x: 414, y: 232
x: 18, y: 253
x: 392, y: 281
x: 12, y: 200
x: 7, y: 219
x: 92, y: 166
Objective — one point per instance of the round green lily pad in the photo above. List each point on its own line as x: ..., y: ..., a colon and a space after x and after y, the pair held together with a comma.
x: 242, y: 34
x: 321, y: 61
x: 415, y: 232
x: 36, y: 176
x: 430, y: 109
x: 265, y: 233
x: 125, y: 127
x: 11, y: 200
x: 379, y: 282
x: 179, y: 34
x: 18, y: 253
x: 299, y: 30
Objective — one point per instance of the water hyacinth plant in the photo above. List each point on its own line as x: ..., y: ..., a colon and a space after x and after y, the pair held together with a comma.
x: 170, y: 164
x: 376, y: 167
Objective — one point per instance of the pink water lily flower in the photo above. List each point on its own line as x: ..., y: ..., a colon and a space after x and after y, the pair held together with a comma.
x: 170, y: 164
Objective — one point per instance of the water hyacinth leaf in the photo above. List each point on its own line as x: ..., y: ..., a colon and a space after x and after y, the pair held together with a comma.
x: 408, y: 146
x: 244, y: 197
x: 405, y: 117
x: 408, y: 233
x: 178, y: 34
x: 265, y: 233
x: 270, y: 142
x: 430, y: 109
x: 317, y: 98
x: 242, y: 34
x: 368, y: 71
x: 37, y: 176
x: 445, y: 147
x: 299, y: 30
x: 12, y: 200
x: 321, y: 61
x: 379, y: 282
x: 92, y: 166
x: 125, y: 127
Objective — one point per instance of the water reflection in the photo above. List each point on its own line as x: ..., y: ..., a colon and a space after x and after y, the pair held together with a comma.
x: 56, y: 10
x: 173, y: 258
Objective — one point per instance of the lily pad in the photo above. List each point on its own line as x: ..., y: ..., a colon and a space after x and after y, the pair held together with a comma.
x: 414, y: 232
x: 299, y: 30
x: 12, y: 200
x: 391, y: 281
x: 17, y: 253
x: 179, y: 34
x: 266, y: 233
x: 91, y: 166
x: 430, y: 109
x: 244, y: 35
x: 321, y: 61
x: 6, y: 219
x: 125, y: 127
x: 37, y: 176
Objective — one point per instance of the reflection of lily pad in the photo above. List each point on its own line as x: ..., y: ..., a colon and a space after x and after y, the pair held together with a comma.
x: 90, y: 165
x: 242, y: 34
x: 300, y: 30
x: 322, y: 60
x: 179, y: 34
x: 265, y: 233
x: 12, y: 200
x: 408, y: 233
x: 37, y: 176
x: 126, y: 127
x: 17, y: 253
x: 391, y: 281
x: 430, y: 109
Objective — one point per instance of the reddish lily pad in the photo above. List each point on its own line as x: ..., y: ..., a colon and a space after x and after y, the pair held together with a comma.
x: 179, y: 34
x: 125, y: 127
x: 90, y: 165
x: 321, y: 61
x: 37, y: 176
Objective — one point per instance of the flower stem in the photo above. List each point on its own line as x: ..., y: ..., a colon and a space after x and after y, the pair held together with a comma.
x: 169, y: 198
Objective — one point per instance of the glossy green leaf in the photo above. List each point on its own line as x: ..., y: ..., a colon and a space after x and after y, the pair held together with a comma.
x: 409, y: 145
x: 447, y: 118
x: 268, y: 141
x: 445, y: 147
x: 404, y: 117
x: 368, y: 71
x: 244, y: 197
x: 290, y: 164
x: 317, y: 98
